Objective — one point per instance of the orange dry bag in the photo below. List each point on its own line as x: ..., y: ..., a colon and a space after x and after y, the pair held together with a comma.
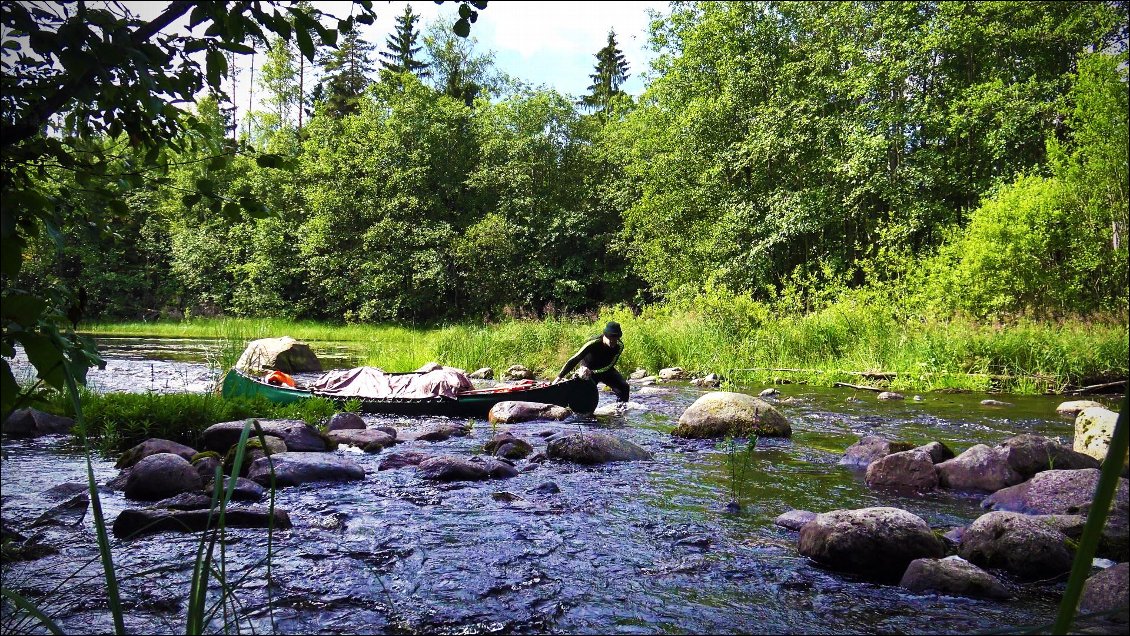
x: 279, y: 378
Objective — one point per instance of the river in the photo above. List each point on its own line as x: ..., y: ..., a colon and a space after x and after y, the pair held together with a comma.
x: 637, y: 547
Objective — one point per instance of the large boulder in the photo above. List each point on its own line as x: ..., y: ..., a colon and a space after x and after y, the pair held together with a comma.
x: 1022, y: 545
x: 292, y: 469
x: 1093, y: 429
x: 160, y: 476
x: 875, y: 542
x: 35, y: 423
x: 285, y: 354
x: 981, y: 468
x: 1057, y: 492
x: 1069, y: 492
x: 954, y: 576
x: 152, y: 447
x: 721, y: 414
x: 594, y: 447
x: 1030, y: 454
x: 298, y: 435
x: 870, y: 448
x: 908, y: 472
x: 514, y: 411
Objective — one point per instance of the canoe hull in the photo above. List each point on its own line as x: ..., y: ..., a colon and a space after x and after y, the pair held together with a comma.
x: 579, y: 395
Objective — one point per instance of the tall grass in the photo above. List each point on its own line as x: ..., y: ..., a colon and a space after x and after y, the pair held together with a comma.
x: 738, y: 339
x: 117, y: 421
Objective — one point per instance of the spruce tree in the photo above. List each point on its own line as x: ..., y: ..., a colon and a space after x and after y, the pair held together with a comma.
x: 611, y: 73
x: 345, y: 73
x: 402, y: 48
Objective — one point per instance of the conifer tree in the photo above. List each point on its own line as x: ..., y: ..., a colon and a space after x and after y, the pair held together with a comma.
x: 610, y: 74
x: 402, y: 48
x: 345, y: 73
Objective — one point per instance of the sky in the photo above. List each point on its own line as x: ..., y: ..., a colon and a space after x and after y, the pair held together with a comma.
x: 551, y: 44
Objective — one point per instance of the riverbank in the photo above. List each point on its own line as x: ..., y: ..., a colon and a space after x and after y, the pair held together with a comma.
x: 845, y: 343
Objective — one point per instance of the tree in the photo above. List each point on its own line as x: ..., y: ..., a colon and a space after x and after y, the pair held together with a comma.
x: 457, y: 70
x: 279, y: 78
x: 611, y: 73
x: 346, y: 73
x: 402, y: 48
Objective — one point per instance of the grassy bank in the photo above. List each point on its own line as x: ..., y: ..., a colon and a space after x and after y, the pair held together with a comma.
x: 743, y: 344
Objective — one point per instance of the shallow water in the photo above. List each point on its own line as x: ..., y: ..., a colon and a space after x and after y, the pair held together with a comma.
x: 637, y: 547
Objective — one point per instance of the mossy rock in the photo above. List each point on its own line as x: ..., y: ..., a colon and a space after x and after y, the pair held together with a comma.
x: 254, y: 450
x: 721, y: 414
x: 204, y: 455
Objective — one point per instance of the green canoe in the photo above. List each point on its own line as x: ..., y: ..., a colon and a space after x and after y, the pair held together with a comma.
x: 576, y: 394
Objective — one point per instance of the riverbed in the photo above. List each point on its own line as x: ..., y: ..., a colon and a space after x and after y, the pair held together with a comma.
x: 636, y: 547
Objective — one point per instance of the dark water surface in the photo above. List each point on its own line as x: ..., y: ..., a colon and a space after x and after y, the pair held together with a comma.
x: 636, y: 547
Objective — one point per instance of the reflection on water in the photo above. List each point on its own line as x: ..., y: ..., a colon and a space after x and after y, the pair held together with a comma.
x: 638, y: 547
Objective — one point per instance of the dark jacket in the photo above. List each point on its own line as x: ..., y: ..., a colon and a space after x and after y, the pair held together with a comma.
x: 595, y: 355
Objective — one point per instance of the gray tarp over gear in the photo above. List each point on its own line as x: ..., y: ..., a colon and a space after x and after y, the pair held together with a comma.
x: 375, y: 383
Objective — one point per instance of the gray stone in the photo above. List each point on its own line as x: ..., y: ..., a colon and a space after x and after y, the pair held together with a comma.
x: 393, y: 461
x: 1094, y: 427
x: 514, y: 411
x: 721, y: 414
x: 594, y: 447
x: 938, y: 451
x: 1030, y: 454
x: 507, y: 445
x: 294, y: 468
x: 1019, y: 544
x: 485, y: 373
x: 35, y: 423
x: 794, y: 519
x: 1074, y: 407
x: 890, y: 395
x: 451, y: 468
x: 245, y: 489
x: 908, y: 472
x: 132, y: 523
x: 285, y: 354
x: 870, y: 448
x: 953, y: 576
x: 298, y: 435
x: 345, y: 420
x: 980, y: 468
x: 160, y: 476
x: 874, y: 542
x: 152, y: 447
x: 1106, y: 592
x: 369, y: 440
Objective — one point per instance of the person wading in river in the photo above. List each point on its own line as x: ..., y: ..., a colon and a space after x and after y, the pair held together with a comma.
x: 597, y: 358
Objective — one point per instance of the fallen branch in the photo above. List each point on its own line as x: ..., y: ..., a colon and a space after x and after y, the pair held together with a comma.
x: 1095, y: 388
x: 860, y: 387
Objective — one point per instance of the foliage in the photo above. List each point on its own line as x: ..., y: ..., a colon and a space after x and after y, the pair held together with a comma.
x: 779, y: 138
